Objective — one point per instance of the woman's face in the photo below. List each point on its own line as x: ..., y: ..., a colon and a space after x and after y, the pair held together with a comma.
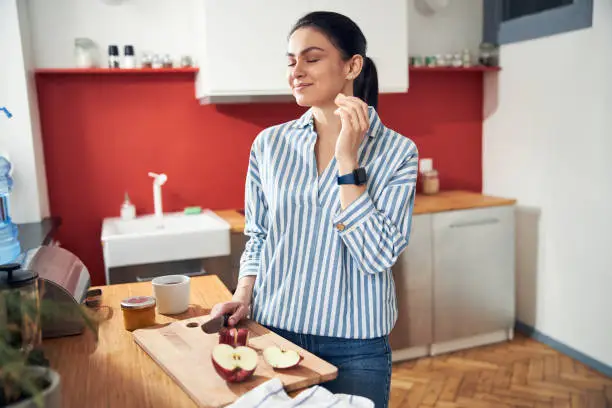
x: 316, y: 71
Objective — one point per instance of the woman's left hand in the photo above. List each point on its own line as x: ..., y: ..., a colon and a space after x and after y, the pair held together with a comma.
x: 353, y: 113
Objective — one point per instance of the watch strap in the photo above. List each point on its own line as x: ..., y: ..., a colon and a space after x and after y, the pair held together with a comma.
x: 356, y: 177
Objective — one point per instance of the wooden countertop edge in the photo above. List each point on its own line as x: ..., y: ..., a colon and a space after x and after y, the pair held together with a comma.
x: 444, y: 201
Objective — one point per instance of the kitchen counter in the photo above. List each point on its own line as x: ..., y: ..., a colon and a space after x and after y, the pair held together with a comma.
x: 34, y: 234
x: 443, y: 201
x: 115, y: 371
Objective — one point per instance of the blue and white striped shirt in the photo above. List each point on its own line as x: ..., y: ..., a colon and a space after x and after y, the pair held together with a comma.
x: 321, y: 270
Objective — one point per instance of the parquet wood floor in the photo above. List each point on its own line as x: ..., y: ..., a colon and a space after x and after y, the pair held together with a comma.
x: 522, y: 373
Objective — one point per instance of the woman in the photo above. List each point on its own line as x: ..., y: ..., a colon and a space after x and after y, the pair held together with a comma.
x: 329, y: 201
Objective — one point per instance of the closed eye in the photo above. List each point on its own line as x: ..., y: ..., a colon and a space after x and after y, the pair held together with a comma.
x: 310, y: 61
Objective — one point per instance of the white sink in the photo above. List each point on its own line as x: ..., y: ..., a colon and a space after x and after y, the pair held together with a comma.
x: 147, y: 239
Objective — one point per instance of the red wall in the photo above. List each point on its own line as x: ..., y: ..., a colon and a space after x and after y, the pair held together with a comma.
x: 102, y: 134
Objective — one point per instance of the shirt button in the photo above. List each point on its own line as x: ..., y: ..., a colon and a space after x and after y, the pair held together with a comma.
x: 340, y: 226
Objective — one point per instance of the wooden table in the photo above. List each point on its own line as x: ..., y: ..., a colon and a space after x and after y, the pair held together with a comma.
x: 114, y: 371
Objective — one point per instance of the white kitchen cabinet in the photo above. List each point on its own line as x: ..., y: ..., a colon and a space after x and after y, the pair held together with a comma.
x: 473, y: 279
x: 413, y: 276
x: 243, y: 44
x: 455, y: 282
x: 385, y: 26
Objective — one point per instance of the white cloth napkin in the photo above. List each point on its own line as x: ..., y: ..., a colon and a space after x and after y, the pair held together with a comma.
x: 271, y: 394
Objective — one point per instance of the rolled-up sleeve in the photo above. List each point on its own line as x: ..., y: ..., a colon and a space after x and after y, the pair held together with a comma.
x: 256, y: 219
x: 376, y: 232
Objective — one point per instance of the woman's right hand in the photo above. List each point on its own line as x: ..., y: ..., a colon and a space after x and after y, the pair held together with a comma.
x: 240, y: 305
x: 237, y: 309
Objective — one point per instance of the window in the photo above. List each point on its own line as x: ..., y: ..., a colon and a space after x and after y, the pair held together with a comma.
x: 508, y: 21
x: 514, y: 9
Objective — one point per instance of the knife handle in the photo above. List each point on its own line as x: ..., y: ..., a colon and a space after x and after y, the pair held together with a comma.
x: 226, y: 319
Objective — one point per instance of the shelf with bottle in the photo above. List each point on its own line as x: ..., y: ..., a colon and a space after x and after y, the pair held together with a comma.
x: 474, y: 68
x: 487, y: 60
x: 89, y: 61
x: 117, y: 71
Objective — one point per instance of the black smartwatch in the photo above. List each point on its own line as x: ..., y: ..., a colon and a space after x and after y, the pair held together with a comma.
x: 357, y: 177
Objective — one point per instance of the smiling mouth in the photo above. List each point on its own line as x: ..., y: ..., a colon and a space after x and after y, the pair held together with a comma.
x: 300, y: 87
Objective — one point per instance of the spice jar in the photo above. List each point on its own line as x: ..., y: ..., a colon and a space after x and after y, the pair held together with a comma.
x: 489, y: 54
x: 147, y: 61
x: 138, y: 312
x: 428, y: 177
x: 167, y: 61
x: 156, y: 61
x: 431, y: 183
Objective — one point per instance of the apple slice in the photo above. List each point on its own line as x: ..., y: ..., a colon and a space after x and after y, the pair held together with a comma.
x: 242, y: 337
x: 234, y: 337
x: 281, y: 358
x: 225, y: 337
x: 234, y: 364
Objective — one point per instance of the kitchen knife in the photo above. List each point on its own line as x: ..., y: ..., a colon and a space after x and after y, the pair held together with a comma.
x: 216, y: 324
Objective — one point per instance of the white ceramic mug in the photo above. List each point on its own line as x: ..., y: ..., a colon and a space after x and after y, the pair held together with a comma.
x: 171, y: 293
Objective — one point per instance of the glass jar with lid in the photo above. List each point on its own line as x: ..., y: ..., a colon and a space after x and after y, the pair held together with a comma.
x: 138, y: 312
x: 20, y: 307
x: 86, y: 53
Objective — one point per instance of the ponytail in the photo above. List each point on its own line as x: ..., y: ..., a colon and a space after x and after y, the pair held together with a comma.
x: 365, y: 86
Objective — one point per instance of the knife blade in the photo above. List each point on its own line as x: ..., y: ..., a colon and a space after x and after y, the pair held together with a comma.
x: 216, y: 324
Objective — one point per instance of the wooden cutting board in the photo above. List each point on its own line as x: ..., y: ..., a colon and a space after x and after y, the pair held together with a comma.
x: 185, y: 355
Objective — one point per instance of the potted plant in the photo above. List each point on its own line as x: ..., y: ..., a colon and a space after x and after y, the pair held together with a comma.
x: 26, y: 379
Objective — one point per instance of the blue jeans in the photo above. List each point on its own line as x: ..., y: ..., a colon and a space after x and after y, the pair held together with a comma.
x: 364, y: 366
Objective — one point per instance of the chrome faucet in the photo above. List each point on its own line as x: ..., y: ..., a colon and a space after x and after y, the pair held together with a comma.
x: 158, y: 181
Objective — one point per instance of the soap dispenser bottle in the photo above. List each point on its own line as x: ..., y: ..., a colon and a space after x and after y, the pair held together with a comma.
x: 128, y: 211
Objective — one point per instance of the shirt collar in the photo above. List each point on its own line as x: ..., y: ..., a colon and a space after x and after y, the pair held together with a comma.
x: 376, y: 126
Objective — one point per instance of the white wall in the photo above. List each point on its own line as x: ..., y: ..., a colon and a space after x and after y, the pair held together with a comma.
x: 548, y: 144
x: 20, y: 135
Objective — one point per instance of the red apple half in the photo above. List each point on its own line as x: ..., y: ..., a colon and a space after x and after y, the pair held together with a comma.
x: 234, y: 337
x: 281, y: 358
x: 234, y: 364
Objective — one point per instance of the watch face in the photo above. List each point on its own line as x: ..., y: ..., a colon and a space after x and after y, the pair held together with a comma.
x: 360, y: 176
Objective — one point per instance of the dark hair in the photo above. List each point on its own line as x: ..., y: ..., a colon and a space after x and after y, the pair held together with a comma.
x: 349, y: 39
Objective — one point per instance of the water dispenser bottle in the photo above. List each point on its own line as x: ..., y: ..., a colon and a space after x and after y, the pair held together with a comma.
x: 9, y: 244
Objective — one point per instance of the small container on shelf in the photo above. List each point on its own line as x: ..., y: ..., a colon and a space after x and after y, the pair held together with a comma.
x: 138, y: 312
x: 147, y: 60
x: 113, y: 56
x: 416, y: 61
x: 86, y: 53
x: 429, y: 181
x: 186, y: 61
x: 457, y: 60
x: 466, y: 58
x: 167, y: 61
x: 488, y: 55
x: 129, y: 60
x: 430, y: 61
x: 448, y: 60
x: 156, y: 61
